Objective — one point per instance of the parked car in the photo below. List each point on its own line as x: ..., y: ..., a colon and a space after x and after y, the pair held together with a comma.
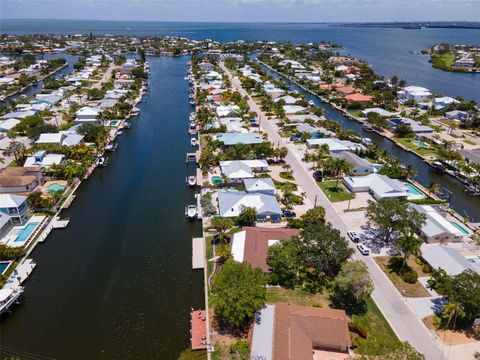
x: 353, y: 236
x: 364, y: 250
x: 289, y: 213
x: 317, y: 175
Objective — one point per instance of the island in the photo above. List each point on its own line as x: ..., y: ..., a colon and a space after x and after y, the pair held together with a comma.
x: 456, y: 58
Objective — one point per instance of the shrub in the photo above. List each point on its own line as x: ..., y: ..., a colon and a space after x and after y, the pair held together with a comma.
x: 357, y: 329
x: 240, y: 350
x: 409, y: 276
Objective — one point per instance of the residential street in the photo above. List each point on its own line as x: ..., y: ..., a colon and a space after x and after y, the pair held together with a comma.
x: 396, y: 310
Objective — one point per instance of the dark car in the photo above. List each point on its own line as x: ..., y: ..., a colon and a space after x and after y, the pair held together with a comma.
x: 317, y: 175
x: 289, y: 213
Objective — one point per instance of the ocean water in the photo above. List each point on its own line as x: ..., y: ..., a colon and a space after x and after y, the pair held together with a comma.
x: 388, y: 50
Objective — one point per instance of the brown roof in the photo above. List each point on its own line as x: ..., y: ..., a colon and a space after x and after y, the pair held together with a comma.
x: 18, y: 171
x: 300, y: 329
x: 12, y: 181
x: 256, y: 244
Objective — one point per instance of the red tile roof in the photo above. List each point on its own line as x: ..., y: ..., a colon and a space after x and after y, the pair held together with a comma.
x: 358, y: 98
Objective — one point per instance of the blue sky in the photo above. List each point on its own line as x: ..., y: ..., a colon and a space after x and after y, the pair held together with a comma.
x: 245, y: 10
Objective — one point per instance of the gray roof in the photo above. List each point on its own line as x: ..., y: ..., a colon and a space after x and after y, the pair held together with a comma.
x: 107, y: 103
x: 352, y: 158
x: 231, y: 203
x: 447, y: 258
x: 259, y: 184
x: 473, y: 156
x: 262, y: 339
x: 306, y: 128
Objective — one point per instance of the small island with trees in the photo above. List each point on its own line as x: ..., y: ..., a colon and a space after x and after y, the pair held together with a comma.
x: 456, y: 58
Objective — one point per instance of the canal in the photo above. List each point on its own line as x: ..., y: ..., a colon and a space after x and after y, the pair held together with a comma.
x: 117, y: 282
x: 466, y: 205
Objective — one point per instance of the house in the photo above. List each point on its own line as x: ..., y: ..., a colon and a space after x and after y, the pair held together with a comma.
x: 416, y: 127
x: 470, y: 156
x: 8, y: 125
x: 447, y: 258
x: 416, y: 93
x: 437, y: 228
x: 378, y: 111
x: 232, y: 139
x: 87, y: 115
x: 377, y: 185
x: 251, y: 244
x: 259, y: 185
x: 231, y: 204
x: 20, y: 179
x: 63, y: 138
x: 457, y: 115
x: 14, y: 206
x: 18, y: 114
x: 41, y: 158
x: 292, y: 109
x: 236, y: 170
x: 444, y: 102
x: 345, y: 90
x: 334, y: 144
x: 358, y: 99
x: 206, y: 66
x: 465, y: 62
x: 286, y: 331
x: 302, y: 117
x: 233, y: 124
x: 227, y: 110
x: 289, y: 100
x: 359, y: 166
x: 107, y: 103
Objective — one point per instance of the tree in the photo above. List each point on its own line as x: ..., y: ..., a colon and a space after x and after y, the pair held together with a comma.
x: 15, y: 148
x: 352, y: 286
x: 247, y: 216
x: 433, y: 188
x: 408, y: 245
x: 236, y: 293
x: 386, y: 215
x: 240, y: 350
x: 36, y: 201
x: 337, y: 167
x: 313, y: 216
x: 283, y: 262
x: 221, y: 225
x: 11, y: 253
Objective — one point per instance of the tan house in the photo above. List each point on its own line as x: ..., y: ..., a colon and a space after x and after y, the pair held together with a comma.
x: 20, y: 180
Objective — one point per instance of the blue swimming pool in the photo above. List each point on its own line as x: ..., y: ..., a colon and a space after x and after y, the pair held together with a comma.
x: 460, y: 227
x: 25, y: 233
x: 55, y: 187
x: 4, y: 265
x: 413, y: 190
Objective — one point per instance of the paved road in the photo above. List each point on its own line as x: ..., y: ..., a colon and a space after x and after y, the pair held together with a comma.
x: 398, y: 313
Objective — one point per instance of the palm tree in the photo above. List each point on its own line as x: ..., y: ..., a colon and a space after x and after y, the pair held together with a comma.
x: 433, y: 188
x: 408, y: 245
x: 16, y: 149
x: 338, y: 167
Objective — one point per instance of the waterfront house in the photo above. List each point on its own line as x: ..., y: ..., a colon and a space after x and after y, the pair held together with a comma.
x: 288, y: 99
x: 416, y: 126
x: 359, y: 166
x: 259, y: 185
x: 5, y: 224
x: 378, y: 111
x: 292, y: 109
x: 437, y: 229
x: 470, y: 156
x: 251, y: 244
x: 41, y: 158
x: 237, y: 170
x: 465, y: 62
x: 231, y: 204
x: 443, y: 102
x: 18, y: 114
x: 63, y: 138
x: 229, y: 110
x: 87, y: 115
x: 232, y: 139
x: 447, y: 258
x: 377, y: 185
x: 358, y: 99
x: 457, y: 115
x: 416, y: 93
x: 299, y: 118
x: 20, y: 179
x: 206, y: 66
x: 286, y: 331
x: 273, y: 91
x: 14, y: 206
x: 233, y: 124
x: 8, y: 125
x: 334, y: 145
x: 345, y: 90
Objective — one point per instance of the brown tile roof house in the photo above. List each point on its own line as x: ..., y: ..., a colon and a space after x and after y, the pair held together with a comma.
x: 20, y: 179
x: 251, y: 244
x: 300, y: 332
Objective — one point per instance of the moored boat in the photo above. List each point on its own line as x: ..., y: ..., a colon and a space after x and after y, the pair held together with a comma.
x: 9, y: 296
x: 367, y: 127
x: 194, y: 141
x: 192, y: 180
x: 191, y: 211
x: 437, y: 166
x: 366, y: 141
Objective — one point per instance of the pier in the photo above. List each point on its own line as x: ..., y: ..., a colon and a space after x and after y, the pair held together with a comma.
x: 191, y: 156
x: 199, y: 330
x: 198, y: 251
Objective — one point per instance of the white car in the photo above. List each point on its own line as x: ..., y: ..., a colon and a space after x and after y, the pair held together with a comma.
x: 364, y: 250
x: 353, y: 236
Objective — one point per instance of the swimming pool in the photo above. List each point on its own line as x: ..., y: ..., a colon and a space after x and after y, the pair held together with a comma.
x: 460, y: 227
x: 4, y: 266
x: 55, y: 187
x: 25, y: 233
x: 216, y: 180
x: 474, y: 260
x: 420, y: 143
x: 413, y: 190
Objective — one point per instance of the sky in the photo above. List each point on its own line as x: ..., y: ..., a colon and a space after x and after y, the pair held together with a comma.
x: 245, y: 10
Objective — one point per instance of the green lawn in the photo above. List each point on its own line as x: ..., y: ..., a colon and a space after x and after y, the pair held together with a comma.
x: 356, y: 113
x: 443, y: 61
x: 335, y: 194
x: 299, y: 297
x: 287, y: 175
x: 409, y: 143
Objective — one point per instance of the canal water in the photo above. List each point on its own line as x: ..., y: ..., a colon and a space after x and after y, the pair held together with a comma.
x: 465, y: 204
x: 117, y: 282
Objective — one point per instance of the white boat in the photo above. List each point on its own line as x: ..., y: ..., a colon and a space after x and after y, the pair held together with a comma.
x: 366, y: 141
x: 367, y: 127
x: 135, y: 111
x: 311, y: 103
x: 192, y: 180
x: 101, y: 161
x: 194, y: 141
x: 111, y: 147
x: 193, y: 125
x: 192, y: 102
x: 191, y: 211
x: 9, y: 296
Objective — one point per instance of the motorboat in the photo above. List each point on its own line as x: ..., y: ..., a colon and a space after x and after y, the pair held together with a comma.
x: 101, y: 161
x: 366, y: 141
x: 437, y: 166
x: 367, y: 127
x: 111, y: 147
x: 192, y: 102
x: 127, y: 125
x: 194, y: 141
x: 191, y: 211
x: 193, y: 125
x: 9, y: 296
x: 192, y: 180
x: 311, y: 103
x: 135, y: 111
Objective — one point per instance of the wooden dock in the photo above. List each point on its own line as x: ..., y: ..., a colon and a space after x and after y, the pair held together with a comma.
x: 198, y: 251
x: 199, y: 330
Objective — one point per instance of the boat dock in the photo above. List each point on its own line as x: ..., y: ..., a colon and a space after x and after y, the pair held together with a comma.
x: 21, y: 273
x: 198, y: 251
x: 199, y: 330
x: 198, y: 197
x: 58, y: 223
x: 191, y: 156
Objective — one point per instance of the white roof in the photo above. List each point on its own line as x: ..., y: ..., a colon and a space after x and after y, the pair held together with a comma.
x: 447, y: 258
x: 11, y: 200
x: 4, y: 219
x: 47, y: 161
x: 238, y: 245
x: 288, y: 99
x: 50, y: 138
x: 380, y: 184
x: 87, y: 111
x: 435, y: 223
x: 231, y: 203
x: 293, y: 109
x: 259, y: 184
x: 9, y: 124
x: 241, y: 169
x: 5, y: 293
x: 227, y: 109
x: 334, y: 144
x: 379, y: 111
